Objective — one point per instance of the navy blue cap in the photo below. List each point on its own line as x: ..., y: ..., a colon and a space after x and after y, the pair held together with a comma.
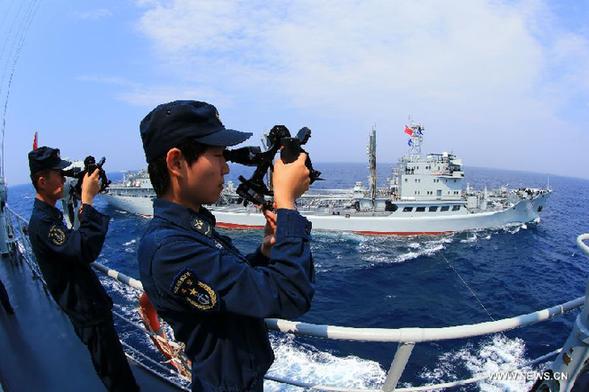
x: 171, y: 123
x: 44, y: 158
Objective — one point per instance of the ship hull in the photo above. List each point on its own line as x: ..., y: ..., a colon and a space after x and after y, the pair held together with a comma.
x: 135, y: 205
x: 524, y: 211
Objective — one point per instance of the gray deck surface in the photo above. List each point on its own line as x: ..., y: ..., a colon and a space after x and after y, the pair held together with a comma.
x: 39, y: 350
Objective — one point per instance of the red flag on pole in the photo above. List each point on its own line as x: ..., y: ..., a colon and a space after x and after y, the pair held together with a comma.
x: 408, y: 131
x: 35, y: 142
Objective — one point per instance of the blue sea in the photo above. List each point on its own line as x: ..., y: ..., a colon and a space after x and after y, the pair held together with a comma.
x: 393, y: 282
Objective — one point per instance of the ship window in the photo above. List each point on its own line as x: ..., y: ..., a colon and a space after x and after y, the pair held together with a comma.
x: 420, y: 209
x: 455, y: 208
x: 407, y: 209
x: 406, y: 180
x: 433, y: 208
x: 444, y: 208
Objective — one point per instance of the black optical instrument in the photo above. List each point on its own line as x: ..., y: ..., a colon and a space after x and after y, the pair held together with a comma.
x: 254, y: 190
x: 89, y: 166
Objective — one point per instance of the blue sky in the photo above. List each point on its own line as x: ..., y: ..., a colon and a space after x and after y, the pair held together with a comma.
x: 502, y: 84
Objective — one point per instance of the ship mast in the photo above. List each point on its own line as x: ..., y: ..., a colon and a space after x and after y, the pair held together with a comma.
x: 415, y: 132
x: 14, y: 40
x: 372, y: 166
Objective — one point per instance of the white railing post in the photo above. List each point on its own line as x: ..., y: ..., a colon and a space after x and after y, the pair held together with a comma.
x: 575, y: 352
x: 398, y: 366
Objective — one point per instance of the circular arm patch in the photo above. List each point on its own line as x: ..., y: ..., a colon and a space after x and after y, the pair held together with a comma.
x: 57, y: 235
x: 197, y: 294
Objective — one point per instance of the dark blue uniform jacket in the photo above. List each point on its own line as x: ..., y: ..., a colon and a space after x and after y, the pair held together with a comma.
x: 216, y: 299
x: 64, y: 257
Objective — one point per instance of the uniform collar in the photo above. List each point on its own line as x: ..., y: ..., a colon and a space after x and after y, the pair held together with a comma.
x: 48, y: 209
x: 202, y: 221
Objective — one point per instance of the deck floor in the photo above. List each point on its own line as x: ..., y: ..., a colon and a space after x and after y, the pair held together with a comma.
x: 39, y: 349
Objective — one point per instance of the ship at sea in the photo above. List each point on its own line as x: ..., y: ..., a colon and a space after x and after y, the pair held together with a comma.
x: 426, y: 194
x: 455, y: 312
x: 428, y: 334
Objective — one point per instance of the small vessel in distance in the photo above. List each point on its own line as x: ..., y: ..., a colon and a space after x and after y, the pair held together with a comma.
x: 426, y: 195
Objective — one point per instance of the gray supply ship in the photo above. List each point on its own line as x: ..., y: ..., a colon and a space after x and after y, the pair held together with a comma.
x: 426, y: 195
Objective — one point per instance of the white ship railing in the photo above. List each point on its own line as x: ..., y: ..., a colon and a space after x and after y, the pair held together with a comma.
x: 406, y: 338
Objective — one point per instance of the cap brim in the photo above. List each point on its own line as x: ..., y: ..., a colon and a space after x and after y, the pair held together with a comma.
x: 224, y: 138
x: 61, y: 165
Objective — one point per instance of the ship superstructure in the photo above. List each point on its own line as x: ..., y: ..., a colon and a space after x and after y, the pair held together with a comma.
x: 425, y: 195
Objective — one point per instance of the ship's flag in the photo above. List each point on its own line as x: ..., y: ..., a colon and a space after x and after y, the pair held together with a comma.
x: 35, y: 142
x: 408, y: 131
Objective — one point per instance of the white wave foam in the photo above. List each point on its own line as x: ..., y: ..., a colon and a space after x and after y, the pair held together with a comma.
x: 129, y: 293
x: 428, y: 251
x: 471, y: 237
x: 303, y: 362
x: 338, y: 235
x: 129, y: 242
x: 515, y: 228
x: 496, y: 354
x: 399, y: 250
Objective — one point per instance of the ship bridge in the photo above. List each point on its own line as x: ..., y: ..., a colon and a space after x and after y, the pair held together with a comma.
x: 437, y: 176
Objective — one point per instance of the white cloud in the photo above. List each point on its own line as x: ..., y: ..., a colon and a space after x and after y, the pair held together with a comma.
x: 487, y: 77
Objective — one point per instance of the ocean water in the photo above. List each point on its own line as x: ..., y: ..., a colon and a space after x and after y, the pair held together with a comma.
x: 393, y: 282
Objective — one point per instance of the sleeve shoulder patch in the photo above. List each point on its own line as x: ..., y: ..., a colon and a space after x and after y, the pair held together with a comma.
x: 197, y: 294
x: 57, y: 235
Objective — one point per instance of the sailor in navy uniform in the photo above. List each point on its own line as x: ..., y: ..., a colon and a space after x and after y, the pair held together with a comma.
x: 213, y: 296
x: 64, y: 257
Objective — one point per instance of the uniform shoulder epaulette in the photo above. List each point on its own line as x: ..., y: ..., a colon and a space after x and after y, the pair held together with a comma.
x: 202, y: 226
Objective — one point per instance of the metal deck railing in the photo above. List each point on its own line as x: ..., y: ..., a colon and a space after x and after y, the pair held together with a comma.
x: 406, y: 338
